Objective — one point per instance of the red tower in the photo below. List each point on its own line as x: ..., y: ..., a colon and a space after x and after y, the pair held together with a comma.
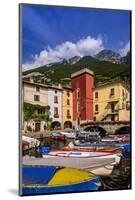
x: 82, y: 84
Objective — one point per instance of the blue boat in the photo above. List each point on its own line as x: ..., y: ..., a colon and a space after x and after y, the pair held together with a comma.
x: 50, y: 179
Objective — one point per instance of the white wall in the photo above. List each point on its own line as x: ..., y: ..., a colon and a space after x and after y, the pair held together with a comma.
x: 51, y: 94
x: 29, y: 91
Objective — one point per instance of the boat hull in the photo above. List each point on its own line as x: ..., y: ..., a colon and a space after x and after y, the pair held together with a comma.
x: 100, y: 166
x: 58, y: 182
x: 83, y: 154
x: 31, y: 141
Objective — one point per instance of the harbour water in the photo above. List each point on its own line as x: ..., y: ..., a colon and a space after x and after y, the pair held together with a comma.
x: 120, y: 177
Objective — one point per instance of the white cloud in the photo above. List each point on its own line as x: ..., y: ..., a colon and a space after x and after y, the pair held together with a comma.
x: 125, y: 49
x: 83, y: 47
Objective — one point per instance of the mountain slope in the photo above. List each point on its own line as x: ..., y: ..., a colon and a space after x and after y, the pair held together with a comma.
x: 103, y: 70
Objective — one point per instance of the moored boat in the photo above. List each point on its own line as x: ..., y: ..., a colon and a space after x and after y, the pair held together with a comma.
x: 70, y: 135
x: 93, y: 147
x: 31, y: 142
x: 50, y: 179
x: 88, y: 136
x: 25, y: 145
x: 117, y: 138
x: 102, y: 166
x: 102, y: 144
x: 58, y: 136
x: 83, y: 154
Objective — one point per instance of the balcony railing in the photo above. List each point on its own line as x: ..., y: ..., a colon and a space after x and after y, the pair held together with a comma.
x: 69, y: 116
x: 96, y: 112
x: 111, y: 95
x: 56, y: 115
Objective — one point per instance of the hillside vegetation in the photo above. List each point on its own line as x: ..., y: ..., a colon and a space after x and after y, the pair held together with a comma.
x: 61, y: 72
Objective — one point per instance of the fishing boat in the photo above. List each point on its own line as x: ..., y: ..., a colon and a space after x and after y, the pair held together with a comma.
x: 93, y: 147
x: 31, y: 142
x: 70, y: 135
x: 117, y: 138
x: 112, y: 147
x: 51, y: 179
x: 99, y: 165
x: 83, y: 154
x: 58, y: 136
x: 25, y: 145
x: 88, y: 136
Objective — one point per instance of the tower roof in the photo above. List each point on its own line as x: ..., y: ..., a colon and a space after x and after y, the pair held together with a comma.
x: 82, y: 71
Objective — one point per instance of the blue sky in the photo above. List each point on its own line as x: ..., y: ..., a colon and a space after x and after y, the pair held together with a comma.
x: 51, y: 33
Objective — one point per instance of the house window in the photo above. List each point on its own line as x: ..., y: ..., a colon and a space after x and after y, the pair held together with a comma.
x: 78, y: 107
x: 112, y: 107
x: 127, y: 106
x: 68, y: 114
x: 123, y: 106
x: 126, y: 95
x: 94, y: 118
x: 113, y: 118
x: 37, y: 89
x: 56, y: 112
x: 123, y: 93
x: 55, y: 91
x: 112, y: 92
x: 96, y: 95
x: 68, y: 93
x: 55, y: 99
x: 40, y: 111
x: 68, y: 102
x: 78, y: 93
x: 96, y: 108
x: 36, y: 98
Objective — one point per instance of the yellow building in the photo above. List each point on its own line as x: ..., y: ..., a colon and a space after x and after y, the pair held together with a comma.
x: 112, y: 102
x: 67, y: 107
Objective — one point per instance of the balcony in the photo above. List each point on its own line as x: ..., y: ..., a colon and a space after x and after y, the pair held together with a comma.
x: 127, y: 107
x: 56, y: 115
x: 113, y: 112
x: 68, y: 116
x: 96, y: 99
x: 96, y: 112
x: 112, y: 98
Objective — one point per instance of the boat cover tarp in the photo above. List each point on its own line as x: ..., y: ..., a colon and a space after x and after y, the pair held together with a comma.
x: 63, y: 180
x: 38, y: 174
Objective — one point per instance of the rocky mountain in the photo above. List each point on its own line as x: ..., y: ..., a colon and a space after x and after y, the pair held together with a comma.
x: 126, y: 59
x: 74, y: 60
x: 103, y: 70
x: 109, y: 55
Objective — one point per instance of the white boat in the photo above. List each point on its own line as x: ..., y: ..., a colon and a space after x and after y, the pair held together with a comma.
x: 102, y: 166
x: 32, y: 141
x: 84, y: 154
x: 71, y: 135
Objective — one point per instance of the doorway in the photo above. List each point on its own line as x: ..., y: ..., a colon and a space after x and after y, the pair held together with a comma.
x: 37, y: 126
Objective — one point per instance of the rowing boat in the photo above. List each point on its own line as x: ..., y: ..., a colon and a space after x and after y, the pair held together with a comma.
x: 50, y: 179
x: 31, y: 141
x: 93, y: 147
x: 83, y: 154
x: 100, y: 163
